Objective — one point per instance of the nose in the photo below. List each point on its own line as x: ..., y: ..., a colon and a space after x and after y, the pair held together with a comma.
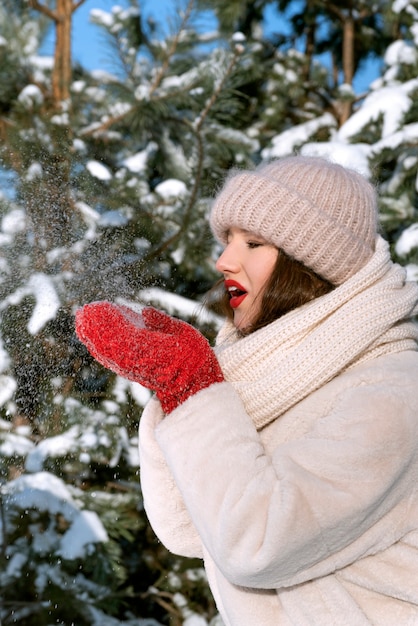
x: 228, y: 261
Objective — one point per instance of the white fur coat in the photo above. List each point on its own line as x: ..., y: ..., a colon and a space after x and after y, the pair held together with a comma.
x: 311, y: 522
x: 297, y: 487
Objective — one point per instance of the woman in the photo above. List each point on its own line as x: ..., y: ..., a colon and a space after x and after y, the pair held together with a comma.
x: 287, y: 458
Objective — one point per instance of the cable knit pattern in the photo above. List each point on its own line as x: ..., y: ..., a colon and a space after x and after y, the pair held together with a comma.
x: 368, y: 316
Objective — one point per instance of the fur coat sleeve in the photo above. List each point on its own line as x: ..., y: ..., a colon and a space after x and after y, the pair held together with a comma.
x: 163, y: 502
x: 273, y: 512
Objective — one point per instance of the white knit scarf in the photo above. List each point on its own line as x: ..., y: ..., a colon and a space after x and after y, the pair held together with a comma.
x: 367, y: 316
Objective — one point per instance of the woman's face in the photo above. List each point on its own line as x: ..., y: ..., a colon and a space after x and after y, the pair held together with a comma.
x: 246, y: 263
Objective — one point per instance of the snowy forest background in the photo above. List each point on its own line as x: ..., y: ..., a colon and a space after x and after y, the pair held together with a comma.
x: 106, y: 180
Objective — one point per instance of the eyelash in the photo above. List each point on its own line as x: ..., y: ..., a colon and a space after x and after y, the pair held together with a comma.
x: 254, y: 244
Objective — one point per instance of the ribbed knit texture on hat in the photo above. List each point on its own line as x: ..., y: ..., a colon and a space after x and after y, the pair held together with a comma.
x: 318, y: 212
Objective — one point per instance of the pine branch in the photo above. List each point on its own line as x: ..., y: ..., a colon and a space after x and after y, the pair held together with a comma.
x: 173, y: 48
x: 166, y: 600
x: 77, y: 5
x: 158, y: 78
x: 238, y: 50
x: 34, y: 4
x: 359, y: 16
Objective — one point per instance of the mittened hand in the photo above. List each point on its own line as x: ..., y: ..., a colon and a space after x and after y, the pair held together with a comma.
x: 159, y: 352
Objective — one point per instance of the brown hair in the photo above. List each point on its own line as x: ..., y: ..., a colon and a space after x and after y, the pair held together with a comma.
x: 290, y: 285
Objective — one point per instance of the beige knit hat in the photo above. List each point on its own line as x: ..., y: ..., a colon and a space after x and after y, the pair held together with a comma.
x: 318, y: 212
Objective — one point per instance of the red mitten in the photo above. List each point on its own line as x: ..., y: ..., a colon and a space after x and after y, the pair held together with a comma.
x: 159, y: 352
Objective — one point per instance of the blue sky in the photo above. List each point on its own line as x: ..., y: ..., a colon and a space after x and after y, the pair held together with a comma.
x: 88, y: 41
x: 89, y: 46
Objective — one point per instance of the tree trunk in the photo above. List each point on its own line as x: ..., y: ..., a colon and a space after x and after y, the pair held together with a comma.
x: 348, y: 62
x: 61, y: 73
x: 61, y: 76
x: 309, y: 50
x: 348, y: 49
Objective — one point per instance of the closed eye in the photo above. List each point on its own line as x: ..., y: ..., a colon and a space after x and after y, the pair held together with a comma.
x: 254, y: 244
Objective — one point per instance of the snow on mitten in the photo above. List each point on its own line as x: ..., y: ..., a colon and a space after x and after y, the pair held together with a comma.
x: 161, y: 353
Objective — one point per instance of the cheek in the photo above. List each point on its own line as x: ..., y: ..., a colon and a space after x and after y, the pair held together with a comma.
x: 261, y: 277
x: 267, y: 267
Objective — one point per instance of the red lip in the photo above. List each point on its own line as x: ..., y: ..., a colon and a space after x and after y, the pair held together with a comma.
x: 240, y: 291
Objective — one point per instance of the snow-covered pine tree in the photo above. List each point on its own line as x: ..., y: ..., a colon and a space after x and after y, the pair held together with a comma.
x: 107, y: 194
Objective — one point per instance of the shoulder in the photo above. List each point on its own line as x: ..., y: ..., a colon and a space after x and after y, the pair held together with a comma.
x: 380, y: 395
x: 392, y: 376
